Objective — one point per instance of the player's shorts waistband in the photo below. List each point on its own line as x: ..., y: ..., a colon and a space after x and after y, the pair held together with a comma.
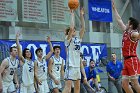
x: 128, y: 57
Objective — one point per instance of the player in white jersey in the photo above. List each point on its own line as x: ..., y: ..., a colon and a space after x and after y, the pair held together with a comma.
x: 8, y: 72
x: 56, y: 69
x: 41, y: 68
x: 73, y: 44
x: 27, y: 66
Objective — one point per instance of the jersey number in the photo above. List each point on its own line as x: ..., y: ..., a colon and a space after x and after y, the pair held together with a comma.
x: 12, y: 72
x: 30, y: 69
x: 57, y: 68
x: 77, y: 47
x: 43, y: 69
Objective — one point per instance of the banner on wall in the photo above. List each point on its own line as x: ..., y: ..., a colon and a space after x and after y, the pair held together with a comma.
x: 34, y: 11
x: 8, y: 10
x: 100, y: 10
x: 90, y: 51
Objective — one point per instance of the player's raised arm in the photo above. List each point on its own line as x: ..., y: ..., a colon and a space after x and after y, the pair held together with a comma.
x: 51, y: 49
x: 82, y: 31
x: 118, y: 18
x: 19, y: 48
x: 71, y: 26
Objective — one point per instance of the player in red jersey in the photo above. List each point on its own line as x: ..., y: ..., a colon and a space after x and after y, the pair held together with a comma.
x: 130, y: 39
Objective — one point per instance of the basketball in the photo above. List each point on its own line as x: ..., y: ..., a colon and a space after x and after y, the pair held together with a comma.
x: 73, y: 4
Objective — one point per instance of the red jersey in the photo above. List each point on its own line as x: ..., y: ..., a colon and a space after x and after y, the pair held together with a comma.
x: 128, y: 45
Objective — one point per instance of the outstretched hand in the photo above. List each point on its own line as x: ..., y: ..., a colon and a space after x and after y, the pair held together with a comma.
x: 113, y: 4
x: 71, y: 11
x: 18, y: 34
x: 82, y: 12
x: 48, y: 39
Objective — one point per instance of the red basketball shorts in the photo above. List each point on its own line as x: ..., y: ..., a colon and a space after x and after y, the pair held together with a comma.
x: 131, y: 67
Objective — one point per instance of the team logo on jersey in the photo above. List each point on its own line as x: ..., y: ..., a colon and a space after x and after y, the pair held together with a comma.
x: 77, y: 43
x: 12, y: 70
x: 43, y: 67
x: 31, y: 67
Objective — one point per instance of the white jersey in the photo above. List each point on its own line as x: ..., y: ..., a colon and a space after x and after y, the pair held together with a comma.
x: 10, y: 70
x: 73, y: 52
x: 56, y: 68
x: 42, y: 69
x: 28, y: 73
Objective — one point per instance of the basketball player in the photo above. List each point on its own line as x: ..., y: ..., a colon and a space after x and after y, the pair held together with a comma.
x: 27, y: 66
x: 41, y: 68
x: 73, y: 42
x: 56, y: 69
x: 131, y: 36
x: 8, y: 72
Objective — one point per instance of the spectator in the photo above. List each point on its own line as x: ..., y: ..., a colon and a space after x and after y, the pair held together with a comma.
x: 90, y: 74
x: 114, y: 69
